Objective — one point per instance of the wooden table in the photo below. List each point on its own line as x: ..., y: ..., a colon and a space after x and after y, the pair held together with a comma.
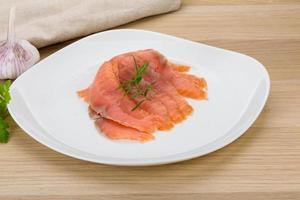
x: 263, y: 164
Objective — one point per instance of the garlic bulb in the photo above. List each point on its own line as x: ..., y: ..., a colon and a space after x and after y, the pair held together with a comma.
x: 16, y: 55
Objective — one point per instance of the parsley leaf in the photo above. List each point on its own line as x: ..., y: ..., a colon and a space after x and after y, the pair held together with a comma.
x: 4, y: 100
x: 3, y: 131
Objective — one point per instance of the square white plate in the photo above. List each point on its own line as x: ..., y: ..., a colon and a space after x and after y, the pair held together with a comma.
x: 44, y: 101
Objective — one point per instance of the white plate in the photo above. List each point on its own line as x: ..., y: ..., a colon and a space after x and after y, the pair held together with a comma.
x: 45, y: 105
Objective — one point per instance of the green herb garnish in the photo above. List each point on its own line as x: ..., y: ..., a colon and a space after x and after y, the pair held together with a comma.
x: 138, y: 105
x: 132, y: 87
x: 4, y: 134
x: 148, y: 89
x: 4, y: 100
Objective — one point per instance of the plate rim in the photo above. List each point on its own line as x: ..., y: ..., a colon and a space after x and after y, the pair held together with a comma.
x: 228, y: 137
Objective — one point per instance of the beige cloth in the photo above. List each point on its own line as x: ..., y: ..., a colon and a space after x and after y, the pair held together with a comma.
x: 45, y: 22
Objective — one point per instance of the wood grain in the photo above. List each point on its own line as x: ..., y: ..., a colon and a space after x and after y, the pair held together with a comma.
x: 263, y: 164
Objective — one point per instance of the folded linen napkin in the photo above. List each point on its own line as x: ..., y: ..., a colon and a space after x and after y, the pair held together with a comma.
x: 44, y: 22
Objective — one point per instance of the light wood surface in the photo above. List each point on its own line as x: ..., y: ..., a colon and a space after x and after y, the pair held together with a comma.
x: 263, y: 164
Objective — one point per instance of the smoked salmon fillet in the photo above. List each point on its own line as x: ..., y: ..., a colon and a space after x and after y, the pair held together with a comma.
x: 110, y: 103
x: 114, y: 130
x: 136, y: 93
x: 179, y: 68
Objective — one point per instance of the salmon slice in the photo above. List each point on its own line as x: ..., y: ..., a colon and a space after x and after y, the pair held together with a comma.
x: 162, y: 108
x: 162, y: 103
x: 174, y: 103
x: 201, y: 82
x: 111, y: 103
x: 171, y: 106
x: 84, y: 94
x: 179, y: 67
x: 187, y: 85
x: 177, y: 107
x: 116, y: 131
x: 164, y: 86
x: 156, y: 107
x: 182, y: 104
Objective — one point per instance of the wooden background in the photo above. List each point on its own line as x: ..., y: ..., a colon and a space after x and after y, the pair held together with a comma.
x: 263, y: 164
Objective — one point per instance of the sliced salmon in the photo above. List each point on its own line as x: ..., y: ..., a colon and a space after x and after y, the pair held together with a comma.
x: 169, y: 97
x: 111, y: 103
x: 179, y: 67
x: 175, y: 103
x: 116, y: 131
x: 167, y: 106
x: 177, y: 107
x: 84, y: 94
x: 156, y: 107
x: 189, y: 86
x: 162, y: 108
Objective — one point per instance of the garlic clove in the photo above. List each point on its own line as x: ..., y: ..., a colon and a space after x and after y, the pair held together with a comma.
x: 16, y: 55
x: 16, y: 58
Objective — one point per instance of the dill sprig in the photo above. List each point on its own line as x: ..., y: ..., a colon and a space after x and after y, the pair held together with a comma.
x: 138, y: 105
x: 132, y: 86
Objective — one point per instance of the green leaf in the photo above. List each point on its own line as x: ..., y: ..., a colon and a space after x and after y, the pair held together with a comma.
x: 135, y: 64
x: 148, y: 89
x: 138, y: 105
x: 3, y: 131
x: 142, y: 69
x: 139, y: 73
x: 138, y: 80
x: 4, y: 98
